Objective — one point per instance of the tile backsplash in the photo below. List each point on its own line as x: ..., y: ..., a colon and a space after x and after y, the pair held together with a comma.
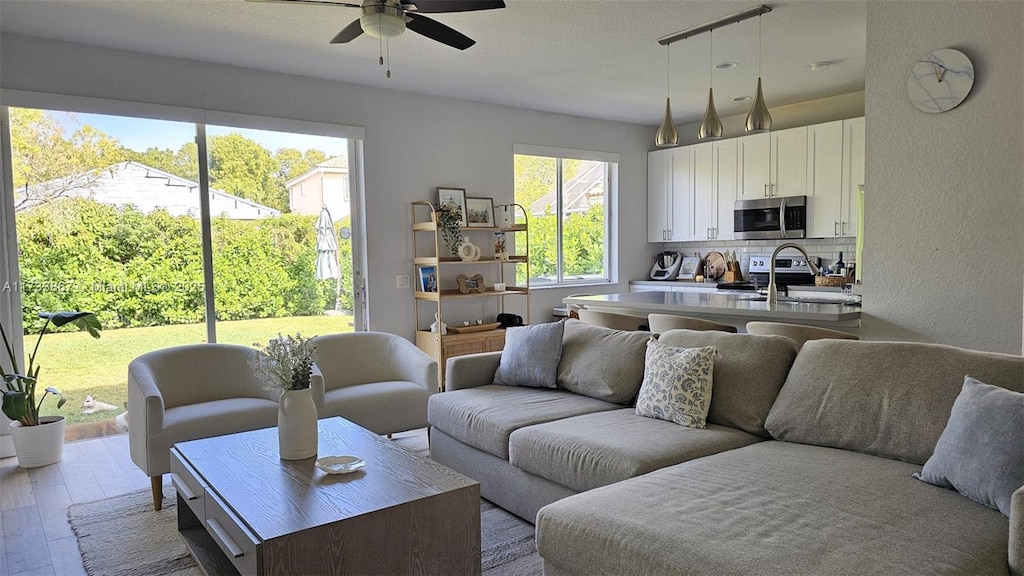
x: 827, y: 249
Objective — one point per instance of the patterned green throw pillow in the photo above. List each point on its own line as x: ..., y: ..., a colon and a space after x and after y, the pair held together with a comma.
x: 677, y: 384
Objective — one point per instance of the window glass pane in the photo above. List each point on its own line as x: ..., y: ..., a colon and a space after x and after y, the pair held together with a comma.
x: 107, y: 217
x: 583, y: 241
x: 536, y: 179
x: 281, y: 264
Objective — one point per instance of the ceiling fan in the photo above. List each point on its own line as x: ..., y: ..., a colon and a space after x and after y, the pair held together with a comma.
x: 387, y: 19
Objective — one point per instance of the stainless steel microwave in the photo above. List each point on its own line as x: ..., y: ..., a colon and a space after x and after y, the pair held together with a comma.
x: 770, y: 218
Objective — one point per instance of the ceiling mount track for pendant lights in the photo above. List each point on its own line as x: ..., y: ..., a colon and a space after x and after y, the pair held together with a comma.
x: 711, y: 125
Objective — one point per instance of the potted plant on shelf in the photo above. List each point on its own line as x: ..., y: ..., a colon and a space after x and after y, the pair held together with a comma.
x: 38, y: 441
x: 449, y: 219
x: 286, y: 363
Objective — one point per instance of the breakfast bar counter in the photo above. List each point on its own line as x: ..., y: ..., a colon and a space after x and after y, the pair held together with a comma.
x: 736, y: 308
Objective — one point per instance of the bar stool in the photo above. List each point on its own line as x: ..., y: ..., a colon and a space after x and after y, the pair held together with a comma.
x: 661, y: 323
x: 797, y: 332
x: 613, y: 320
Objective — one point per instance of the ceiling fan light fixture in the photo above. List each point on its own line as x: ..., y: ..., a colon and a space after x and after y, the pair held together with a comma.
x: 382, y: 22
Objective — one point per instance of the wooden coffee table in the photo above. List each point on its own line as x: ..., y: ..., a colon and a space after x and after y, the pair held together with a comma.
x: 243, y: 510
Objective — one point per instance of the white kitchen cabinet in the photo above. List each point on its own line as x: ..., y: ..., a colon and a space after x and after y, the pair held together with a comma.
x: 726, y: 185
x: 825, y: 180
x: 853, y: 173
x: 681, y: 222
x: 704, y: 214
x: 773, y: 164
x: 754, y: 165
x: 659, y: 194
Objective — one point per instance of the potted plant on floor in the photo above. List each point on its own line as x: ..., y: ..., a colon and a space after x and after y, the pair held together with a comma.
x: 286, y: 363
x: 38, y: 441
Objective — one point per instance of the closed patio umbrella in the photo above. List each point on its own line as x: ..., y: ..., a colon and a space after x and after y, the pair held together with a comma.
x: 327, y: 253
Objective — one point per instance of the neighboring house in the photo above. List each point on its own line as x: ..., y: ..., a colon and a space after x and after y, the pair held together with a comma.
x: 326, y: 184
x: 147, y: 189
x: 580, y: 193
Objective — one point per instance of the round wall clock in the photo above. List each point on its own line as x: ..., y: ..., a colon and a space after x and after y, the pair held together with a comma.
x: 940, y: 81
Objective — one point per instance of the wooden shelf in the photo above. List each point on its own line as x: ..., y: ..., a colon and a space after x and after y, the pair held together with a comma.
x: 434, y: 296
x: 432, y: 227
x: 433, y: 261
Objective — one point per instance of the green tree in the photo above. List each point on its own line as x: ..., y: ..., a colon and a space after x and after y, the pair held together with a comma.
x: 293, y: 163
x: 243, y: 167
x: 52, y: 156
x: 183, y: 163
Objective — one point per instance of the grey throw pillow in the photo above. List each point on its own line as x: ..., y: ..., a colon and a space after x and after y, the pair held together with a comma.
x: 531, y: 355
x: 602, y: 363
x: 981, y: 452
x: 677, y: 384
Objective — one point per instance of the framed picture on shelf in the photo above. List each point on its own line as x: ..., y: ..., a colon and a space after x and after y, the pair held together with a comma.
x: 428, y: 279
x: 453, y: 198
x: 480, y: 212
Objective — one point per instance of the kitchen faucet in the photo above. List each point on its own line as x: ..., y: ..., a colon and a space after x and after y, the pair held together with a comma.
x: 773, y: 293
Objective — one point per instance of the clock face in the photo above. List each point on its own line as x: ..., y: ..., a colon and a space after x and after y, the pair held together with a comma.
x: 940, y: 81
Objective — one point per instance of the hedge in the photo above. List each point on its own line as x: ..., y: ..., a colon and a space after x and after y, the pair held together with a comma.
x: 134, y: 269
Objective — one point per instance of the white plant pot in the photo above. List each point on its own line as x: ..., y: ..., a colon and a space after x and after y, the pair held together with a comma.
x: 40, y: 445
x: 296, y: 425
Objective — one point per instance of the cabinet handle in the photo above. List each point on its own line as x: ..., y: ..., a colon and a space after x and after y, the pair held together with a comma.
x: 219, y: 534
x: 183, y: 488
x: 835, y: 228
x: 765, y: 190
x: 844, y: 228
x: 714, y: 233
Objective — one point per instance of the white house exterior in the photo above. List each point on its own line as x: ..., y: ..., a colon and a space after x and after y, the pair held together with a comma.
x: 148, y: 189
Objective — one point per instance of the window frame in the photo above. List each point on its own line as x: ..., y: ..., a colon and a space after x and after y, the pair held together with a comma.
x: 611, y: 161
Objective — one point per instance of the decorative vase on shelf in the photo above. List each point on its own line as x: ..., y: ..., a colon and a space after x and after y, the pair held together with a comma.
x: 438, y: 327
x: 296, y: 425
x: 468, y: 251
x: 504, y: 216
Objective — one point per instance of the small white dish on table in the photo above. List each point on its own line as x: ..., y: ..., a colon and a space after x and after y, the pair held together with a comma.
x: 340, y: 464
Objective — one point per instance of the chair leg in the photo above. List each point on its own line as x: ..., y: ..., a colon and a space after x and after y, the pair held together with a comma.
x: 158, y: 491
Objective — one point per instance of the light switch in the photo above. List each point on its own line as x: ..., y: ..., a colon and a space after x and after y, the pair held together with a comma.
x: 402, y: 280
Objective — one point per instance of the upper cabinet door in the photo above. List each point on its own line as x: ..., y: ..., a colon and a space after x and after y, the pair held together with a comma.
x: 825, y: 179
x: 680, y: 228
x: 853, y: 173
x: 704, y: 215
x: 788, y: 162
x: 659, y: 192
x: 726, y: 184
x: 754, y: 165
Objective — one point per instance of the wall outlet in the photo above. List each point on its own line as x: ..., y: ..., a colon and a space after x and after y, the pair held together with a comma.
x: 402, y: 280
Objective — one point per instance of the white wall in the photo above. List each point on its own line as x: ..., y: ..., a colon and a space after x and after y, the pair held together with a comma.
x: 944, y: 223
x: 413, y: 143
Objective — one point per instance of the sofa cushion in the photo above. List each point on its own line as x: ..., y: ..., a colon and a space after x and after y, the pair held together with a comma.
x: 485, y: 416
x: 773, y: 508
x: 749, y: 372
x: 602, y: 363
x: 981, y: 452
x: 677, y: 384
x: 530, y: 356
x: 889, y: 399
x: 593, y: 450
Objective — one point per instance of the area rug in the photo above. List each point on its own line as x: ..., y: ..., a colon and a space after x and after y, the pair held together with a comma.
x: 124, y: 536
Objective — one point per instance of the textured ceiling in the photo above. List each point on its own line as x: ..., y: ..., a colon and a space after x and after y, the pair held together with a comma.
x: 593, y: 58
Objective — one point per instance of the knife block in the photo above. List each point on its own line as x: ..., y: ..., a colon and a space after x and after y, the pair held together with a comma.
x: 732, y: 276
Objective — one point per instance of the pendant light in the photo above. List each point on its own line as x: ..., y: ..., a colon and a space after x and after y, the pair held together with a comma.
x: 759, y: 119
x: 711, y: 126
x: 667, y: 135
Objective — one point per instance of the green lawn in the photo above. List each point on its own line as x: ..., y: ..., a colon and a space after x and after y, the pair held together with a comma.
x: 78, y: 365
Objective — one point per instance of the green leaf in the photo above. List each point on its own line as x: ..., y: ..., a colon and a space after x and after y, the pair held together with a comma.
x: 86, y: 321
x: 53, y: 390
x: 61, y: 401
x: 15, y: 405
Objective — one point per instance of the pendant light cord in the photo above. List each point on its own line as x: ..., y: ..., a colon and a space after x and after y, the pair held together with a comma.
x: 758, y: 46
x: 711, y: 60
x: 668, y: 71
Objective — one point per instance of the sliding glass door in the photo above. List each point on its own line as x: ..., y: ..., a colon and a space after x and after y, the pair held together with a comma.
x: 110, y: 214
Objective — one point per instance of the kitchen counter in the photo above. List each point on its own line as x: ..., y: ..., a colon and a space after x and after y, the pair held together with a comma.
x: 738, y: 307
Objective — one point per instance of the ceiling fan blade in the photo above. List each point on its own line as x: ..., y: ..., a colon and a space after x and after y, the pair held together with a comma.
x: 350, y: 33
x: 436, y: 31
x: 319, y: 2
x: 437, y: 6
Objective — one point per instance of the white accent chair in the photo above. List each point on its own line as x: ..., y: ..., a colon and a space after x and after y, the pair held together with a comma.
x: 797, y: 332
x: 614, y: 320
x: 661, y: 323
x: 379, y: 381
x: 191, y: 392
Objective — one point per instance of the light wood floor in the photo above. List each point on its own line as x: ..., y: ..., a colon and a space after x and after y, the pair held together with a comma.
x: 35, y: 537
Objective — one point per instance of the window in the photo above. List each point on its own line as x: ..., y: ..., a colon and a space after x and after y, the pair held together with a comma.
x: 567, y: 198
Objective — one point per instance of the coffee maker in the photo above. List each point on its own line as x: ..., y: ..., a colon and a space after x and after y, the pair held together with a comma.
x: 666, y: 266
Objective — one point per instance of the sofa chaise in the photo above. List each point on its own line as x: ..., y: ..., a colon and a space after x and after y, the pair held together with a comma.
x: 805, y: 467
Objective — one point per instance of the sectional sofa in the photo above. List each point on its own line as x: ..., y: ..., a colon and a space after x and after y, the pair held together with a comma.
x: 805, y: 467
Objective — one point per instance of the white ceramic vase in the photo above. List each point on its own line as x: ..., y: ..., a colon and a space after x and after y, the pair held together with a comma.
x: 296, y: 425
x: 40, y: 445
x: 468, y: 251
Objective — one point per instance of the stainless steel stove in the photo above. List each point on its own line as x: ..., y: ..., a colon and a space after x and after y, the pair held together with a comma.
x: 789, y: 271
